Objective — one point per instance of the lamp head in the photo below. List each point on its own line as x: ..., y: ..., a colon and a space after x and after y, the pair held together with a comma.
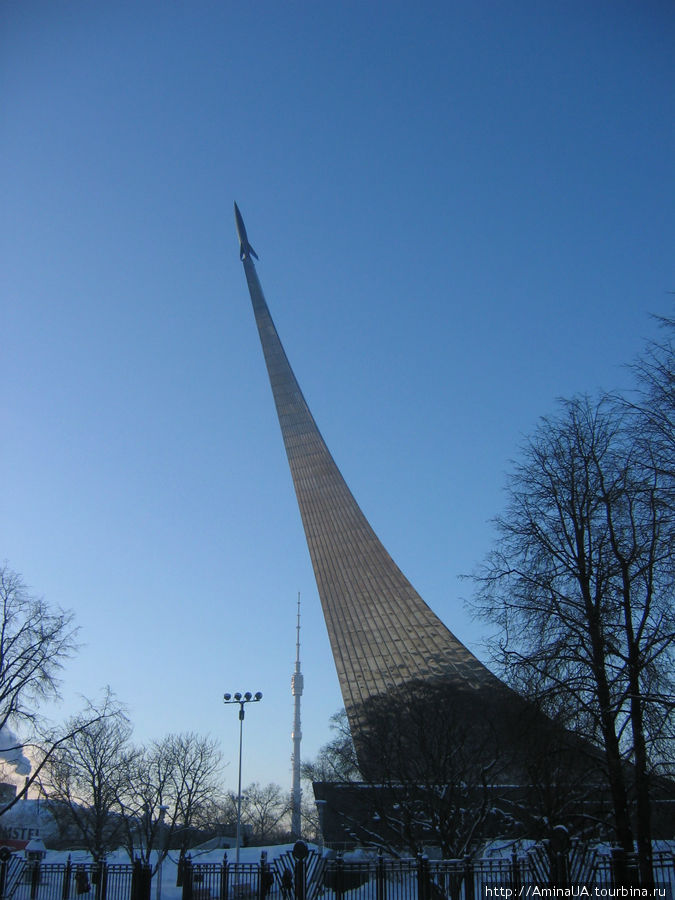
x: 227, y: 697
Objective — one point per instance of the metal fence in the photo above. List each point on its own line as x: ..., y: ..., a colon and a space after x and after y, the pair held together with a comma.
x: 532, y: 875
x: 65, y: 881
x: 539, y: 873
x: 222, y: 881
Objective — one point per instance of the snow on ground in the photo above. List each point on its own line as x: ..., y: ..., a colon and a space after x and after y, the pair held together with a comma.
x: 246, y: 855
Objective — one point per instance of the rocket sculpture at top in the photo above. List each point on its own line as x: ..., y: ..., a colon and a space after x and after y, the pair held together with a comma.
x: 244, y: 247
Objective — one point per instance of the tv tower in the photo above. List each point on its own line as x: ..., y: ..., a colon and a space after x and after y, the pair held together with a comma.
x: 297, y: 684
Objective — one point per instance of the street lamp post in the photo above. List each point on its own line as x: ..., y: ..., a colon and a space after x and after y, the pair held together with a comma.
x: 241, y: 699
x: 160, y: 820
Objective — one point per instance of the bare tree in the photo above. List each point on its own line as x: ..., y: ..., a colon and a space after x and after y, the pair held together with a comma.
x: 655, y: 406
x: 581, y: 585
x: 310, y: 822
x: 434, y: 762
x: 143, y: 799
x: 167, y: 786
x: 35, y: 641
x: 83, y: 777
x: 196, y: 782
x: 432, y: 754
x: 336, y: 760
x: 263, y: 809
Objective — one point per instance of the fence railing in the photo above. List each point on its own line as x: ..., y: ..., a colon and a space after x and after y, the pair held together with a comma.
x: 306, y: 875
x: 21, y: 880
x: 518, y: 876
x: 539, y: 873
x: 233, y: 881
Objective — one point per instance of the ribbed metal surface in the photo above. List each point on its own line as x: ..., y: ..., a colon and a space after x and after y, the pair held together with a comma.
x: 381, y: 631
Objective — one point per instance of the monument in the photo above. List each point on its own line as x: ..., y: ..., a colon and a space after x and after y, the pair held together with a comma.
x: 382, y: 633
x: 422, y: 708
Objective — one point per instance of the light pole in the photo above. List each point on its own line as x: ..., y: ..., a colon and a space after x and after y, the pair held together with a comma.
x: 160, y: 820
x: 241, y: 699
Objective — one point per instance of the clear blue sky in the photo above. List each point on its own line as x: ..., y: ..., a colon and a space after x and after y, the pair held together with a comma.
x: 463, y: 210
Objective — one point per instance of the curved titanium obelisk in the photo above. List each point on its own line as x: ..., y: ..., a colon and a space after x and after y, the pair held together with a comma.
x: 382, y: 634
